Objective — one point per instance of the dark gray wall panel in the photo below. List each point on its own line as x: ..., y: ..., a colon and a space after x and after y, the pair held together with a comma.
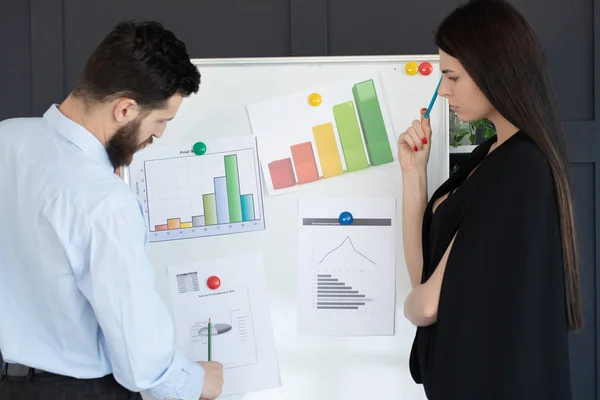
x: 308, y: 28
x: 379, y: 27
x: 15, y: 62
x: 583, y: 344
x: 47, y: 71
x: 566, y: 30
x: 210, y: 28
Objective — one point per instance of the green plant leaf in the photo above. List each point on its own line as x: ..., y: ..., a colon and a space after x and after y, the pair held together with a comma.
x: 488, y: 133
x: 457, y: 136
x: 462, y: 133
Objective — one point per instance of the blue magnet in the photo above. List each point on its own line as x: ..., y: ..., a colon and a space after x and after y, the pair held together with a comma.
x: 346, y: 218
x: 199, y: 148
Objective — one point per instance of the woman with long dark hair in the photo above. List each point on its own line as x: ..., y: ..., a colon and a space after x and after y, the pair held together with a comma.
x: 492, y: 256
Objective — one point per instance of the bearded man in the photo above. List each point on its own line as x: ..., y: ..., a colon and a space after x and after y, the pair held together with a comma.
x: 80, y: 317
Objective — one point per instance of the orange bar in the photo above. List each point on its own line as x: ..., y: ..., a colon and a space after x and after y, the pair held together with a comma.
x: 174, y: 223
x: 304, y: 162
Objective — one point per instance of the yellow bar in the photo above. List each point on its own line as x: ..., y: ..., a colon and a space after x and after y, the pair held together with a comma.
x: 173, y: 223
x: 186, y: 225
x: 327, y: 148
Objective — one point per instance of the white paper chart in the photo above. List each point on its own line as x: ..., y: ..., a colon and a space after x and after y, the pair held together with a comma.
x: 322, y: 132
x: 185, y: 195
x: 238, y: 308
x: 233, y: 330
x: 347, y: 272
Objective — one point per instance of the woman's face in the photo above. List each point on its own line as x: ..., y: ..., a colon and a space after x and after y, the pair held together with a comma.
x: 465, y: 99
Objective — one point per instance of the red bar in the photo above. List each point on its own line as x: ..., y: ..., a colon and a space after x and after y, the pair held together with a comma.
x: 160, y: 228
x: 304, y: 162
x: 282, y: 173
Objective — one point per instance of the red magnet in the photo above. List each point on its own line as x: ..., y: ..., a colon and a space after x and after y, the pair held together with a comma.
x: 213, y: 282
x: 425, y: 68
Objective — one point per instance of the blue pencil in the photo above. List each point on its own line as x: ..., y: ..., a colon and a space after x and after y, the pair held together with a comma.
x: 435, y: 95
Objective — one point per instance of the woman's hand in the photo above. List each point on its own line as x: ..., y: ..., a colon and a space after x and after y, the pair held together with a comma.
x: 414, y: 145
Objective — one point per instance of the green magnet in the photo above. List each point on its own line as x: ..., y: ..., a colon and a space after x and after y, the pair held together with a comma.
x: 199, y: 148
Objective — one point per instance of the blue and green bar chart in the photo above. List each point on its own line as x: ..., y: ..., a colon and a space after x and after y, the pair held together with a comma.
x: 184, y: 195
x: 223, y: 205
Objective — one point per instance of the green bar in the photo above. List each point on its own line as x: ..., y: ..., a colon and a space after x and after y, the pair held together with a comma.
x: 210, y: 209
x: 349, y: 133
x: 371, y: 121
x: 233, y: 188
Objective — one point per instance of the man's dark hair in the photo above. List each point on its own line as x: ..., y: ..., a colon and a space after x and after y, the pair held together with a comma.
x: 139, y: 60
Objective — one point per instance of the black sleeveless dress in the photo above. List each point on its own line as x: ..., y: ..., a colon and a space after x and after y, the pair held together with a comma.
x: 501, y: 330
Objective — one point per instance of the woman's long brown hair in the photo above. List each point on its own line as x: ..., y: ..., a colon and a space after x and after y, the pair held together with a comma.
x: 502, y: 54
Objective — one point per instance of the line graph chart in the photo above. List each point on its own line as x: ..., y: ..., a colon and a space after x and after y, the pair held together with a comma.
x: 347, y: 241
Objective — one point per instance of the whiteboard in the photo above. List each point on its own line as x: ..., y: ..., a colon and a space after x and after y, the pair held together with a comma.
x: 315, y: 368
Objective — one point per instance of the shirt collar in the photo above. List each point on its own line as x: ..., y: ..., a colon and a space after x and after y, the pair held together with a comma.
x: 78, y: 135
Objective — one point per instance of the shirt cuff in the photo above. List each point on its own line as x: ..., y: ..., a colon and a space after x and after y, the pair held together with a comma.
x: 183, y: 380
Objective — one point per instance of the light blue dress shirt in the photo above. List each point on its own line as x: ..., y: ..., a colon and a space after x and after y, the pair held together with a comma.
x: 77, y: 292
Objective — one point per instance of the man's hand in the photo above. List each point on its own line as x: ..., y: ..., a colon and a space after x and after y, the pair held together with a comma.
x: 213, y: 380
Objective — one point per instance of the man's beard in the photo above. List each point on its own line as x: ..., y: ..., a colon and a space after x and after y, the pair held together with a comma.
x: 124, y: 144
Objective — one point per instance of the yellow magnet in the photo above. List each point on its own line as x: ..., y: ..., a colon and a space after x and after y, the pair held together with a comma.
x: 315, y: 99
x: 411, y: 68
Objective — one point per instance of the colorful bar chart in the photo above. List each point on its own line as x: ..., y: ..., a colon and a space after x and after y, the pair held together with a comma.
x: 184, y: 195
x: 224, y: 206
x: 352, y: 136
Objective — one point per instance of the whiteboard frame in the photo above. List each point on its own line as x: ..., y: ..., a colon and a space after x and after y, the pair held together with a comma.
x: 314, y: 60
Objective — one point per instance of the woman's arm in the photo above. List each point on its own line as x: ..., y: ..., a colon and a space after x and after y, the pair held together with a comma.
x: 414, y: 202
x: 421, y: 305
